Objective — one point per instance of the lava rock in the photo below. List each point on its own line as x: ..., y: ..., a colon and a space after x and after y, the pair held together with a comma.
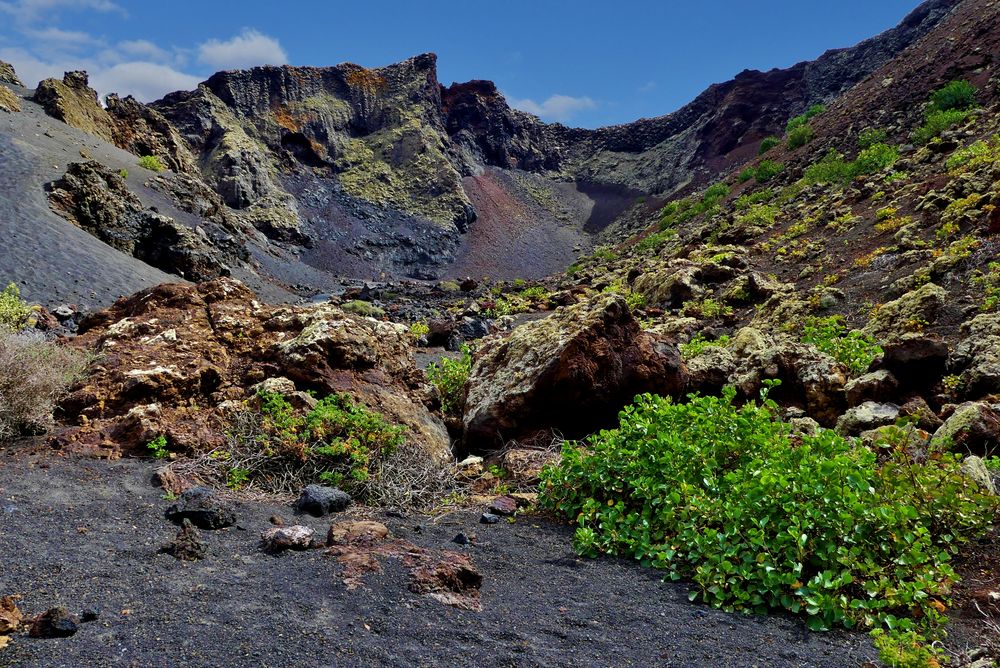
x: 187, y: 544
x: 203, y: 507
x: 460, y: 539
x: 89, y: 615
x: 295, y: 537
x: 54, y: 623
x: 319, y: 500
x: 489, y: 518
x: 504, y: 506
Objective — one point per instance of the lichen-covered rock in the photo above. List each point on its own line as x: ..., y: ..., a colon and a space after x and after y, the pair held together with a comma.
x: 142, y: 130
x: 973, y: 427
x: 915, y: 309
x: 195, y: 351
x: 977, y: 356
x: 75, y: 103
x: 869, y: 415
x: 711, y: 370
x: 99, y: 201
x: 572, y: 372
x: 279, y: 539
x: 9, y: 102
x: 975, y: 469
x: 8, y: 75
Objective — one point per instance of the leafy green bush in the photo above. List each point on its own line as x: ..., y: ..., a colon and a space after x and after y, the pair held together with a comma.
x: 158, y: 447
x: 699, y: 344
x: 152, y: 163
x: 760, y: 517
x: 958, y: 94
x: 767, y: 170
x: 832, y: 168
x: 744, y: 202
x: 419, y: 330
x: 363, y: 308
x: 874, y: 159
x: 747, y: 174
x: 678, y: 212
x: 767, y: 143
x: 800, y: 136
x: 871, y: 136
x: 974, y: 154
x: 802, y: 119
x: 15, y: 314
x: 937, y: 122
x: 852, y: 348
x: 450, y: 376
x: 654, y: 241
x: 905, y: 649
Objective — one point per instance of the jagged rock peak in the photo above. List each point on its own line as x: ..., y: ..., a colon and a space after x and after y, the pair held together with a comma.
x: 8, y: 75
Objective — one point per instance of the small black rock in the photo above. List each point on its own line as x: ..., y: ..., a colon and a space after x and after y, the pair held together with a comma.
x: 489, y: 518
x: 461, y: 539
x: 89, y: 615
x: 203, y: 507
x: 55, y: 623
x: 318, y: 500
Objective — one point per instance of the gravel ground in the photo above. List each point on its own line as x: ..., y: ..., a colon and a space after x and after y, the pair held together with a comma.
x: 85, y: 533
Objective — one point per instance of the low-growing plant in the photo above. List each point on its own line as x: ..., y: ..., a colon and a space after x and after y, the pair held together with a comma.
x: 152, y: 163
x: 699, y: 344
x: 802, y: 119
x: 746, y: 174
x: 158, y: 447
x: 15, y: 313
x: 800, y: 136
x: 450, y: 377
x: 419, y: 330
x: 706, y: 308
x: 905, y: 649
x: 653, y: 242
x: 871, y: 136
x: 936, y: 122
x: 744, y: 202
x: 34, y: 374
x: 974, y: 154
x: 760, y: 517
x: 958, y: 94
x: 123, y: 173
x: 832, y: 168
x: 875, y: 158
x: 767, y: 170
x: 852, y: 348
x: 363, y: 308
x: 767, y: 143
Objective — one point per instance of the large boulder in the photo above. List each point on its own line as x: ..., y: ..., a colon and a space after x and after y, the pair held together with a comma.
x: 571, y: 372
x: 74, y: 102
x: 176, y: 360
x: 8, y: 75
x: 916, y: 308
x: 973, y: 427
x: 9, y: 102
x: 977, y: 357
x: 867, y: 416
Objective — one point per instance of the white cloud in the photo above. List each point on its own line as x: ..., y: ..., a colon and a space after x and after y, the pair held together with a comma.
x: 54, y: 38
x: 247, y: 49
x: 142, y: 48
x: 146, y: 81
x: 647, y: 87
x: 556, y: 108
x: 28, y: 11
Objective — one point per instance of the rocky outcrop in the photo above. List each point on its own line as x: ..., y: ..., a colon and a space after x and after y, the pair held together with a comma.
x: 9, y: 102
x: 973, y: 427
x: 75, y: 103
x: 98, y: 200
x: 141, y: 130
x: 571, y: 372
x: 8, y: 75
x: 176, y: 360
x: 977, y: 357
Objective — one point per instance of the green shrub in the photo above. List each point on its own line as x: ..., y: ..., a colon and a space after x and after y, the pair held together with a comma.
x: 123, y: 173
x: 767, y: 170
x: 419, y: 330
x: 760, y: 517
x: 871, y: 136
x: 800, y: 136
x: 654, y: 241
x: 363, y: 308
x: 152, y: 163
x: 699, y: 344
x: 747, y: 174
x: 852, y: 348
x: 802, y: 119
x: 450, y: 377
x: 905, y: 649
x: 937, y: 122
x: 15, y: 314
x: 158, y: 447
x: 958, y: 94
x: 874, y: 159
x: 830, y: 169
x: 977, y: 153
x: 767, y: 144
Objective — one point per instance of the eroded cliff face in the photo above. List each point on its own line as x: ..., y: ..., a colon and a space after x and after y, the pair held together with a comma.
x: 370, y: 172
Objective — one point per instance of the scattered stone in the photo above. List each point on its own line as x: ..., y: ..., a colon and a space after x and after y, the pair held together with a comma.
x: 295, y: 537
x: 489, y: 518
x: 867, y: 416
x: 203, y: 507
x: 187, y: 545
x: 89, y: 615
x: 168, y: 479
x: 454, y: 580
x: 505, y: 506
x: 975, y: 469
x: 54, y: 623
x: 277, y: 520
x: 319, y: 500
x: 460, y: 539
x: 10, y: 616
x: 917, y: 408
x: 356, y: 531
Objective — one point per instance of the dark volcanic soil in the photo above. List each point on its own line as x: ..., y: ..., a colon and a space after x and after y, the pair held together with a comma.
x: 85, y: 533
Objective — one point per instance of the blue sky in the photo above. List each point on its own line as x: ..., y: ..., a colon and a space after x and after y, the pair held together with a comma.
x: 583, y: 63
